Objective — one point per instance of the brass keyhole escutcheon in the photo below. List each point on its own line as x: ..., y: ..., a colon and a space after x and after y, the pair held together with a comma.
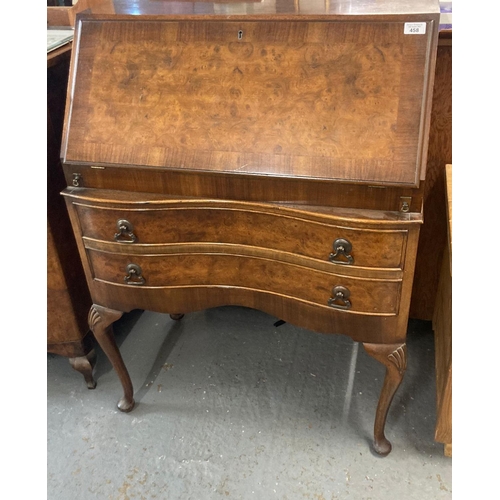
x: 405, y: 202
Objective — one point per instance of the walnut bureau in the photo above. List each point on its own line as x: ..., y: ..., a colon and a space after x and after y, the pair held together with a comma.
x: 241, y: 154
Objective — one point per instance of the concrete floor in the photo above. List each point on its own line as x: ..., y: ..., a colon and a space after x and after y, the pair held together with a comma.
x: 228, y: 405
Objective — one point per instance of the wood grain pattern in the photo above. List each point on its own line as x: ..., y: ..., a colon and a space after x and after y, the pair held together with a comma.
x: 449, y: 210
x: 433, y: 234
x: 241, y: 271
x: 443, y: 337
x: 68, y: 298
x: 248, y: 225
x: 233, y: 186
x: 442, y: 324
x: 306, y: 99
x: 359, y: 327
x: 241, y: 146
x: 318, y: 318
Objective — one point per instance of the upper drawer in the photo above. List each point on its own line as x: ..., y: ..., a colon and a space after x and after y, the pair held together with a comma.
x: 333, y: 98
x: 281, y: 230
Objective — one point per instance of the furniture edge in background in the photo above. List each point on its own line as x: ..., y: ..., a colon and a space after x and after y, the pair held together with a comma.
x: 68, y: 298
x: 433, y: 232
x: 442, y: 324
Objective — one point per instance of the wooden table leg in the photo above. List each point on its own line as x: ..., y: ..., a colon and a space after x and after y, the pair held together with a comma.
x: 100, y: 321
x: 85, y: 365
x: 393, y: 357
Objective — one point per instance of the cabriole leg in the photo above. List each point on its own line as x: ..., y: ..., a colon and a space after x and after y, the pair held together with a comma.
x: 100, y: 321
x: 85, y: 365
x: 393, y: 357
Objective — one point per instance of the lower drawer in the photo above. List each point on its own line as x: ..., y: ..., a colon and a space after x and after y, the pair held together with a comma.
x: 347, y: 293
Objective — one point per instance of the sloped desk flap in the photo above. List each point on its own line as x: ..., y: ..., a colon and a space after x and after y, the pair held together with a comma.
x: 340, y: 99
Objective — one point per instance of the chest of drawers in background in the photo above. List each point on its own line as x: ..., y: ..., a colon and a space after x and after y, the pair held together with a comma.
x: 68, y: 298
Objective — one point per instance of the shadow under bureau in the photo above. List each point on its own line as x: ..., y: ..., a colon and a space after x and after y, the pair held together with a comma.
x: 268, y: 160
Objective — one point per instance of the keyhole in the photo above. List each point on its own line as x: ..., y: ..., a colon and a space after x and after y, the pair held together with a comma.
x: 240, y: 34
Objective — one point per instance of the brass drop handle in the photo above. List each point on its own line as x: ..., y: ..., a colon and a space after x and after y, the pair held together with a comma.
x: 134, y: 275
x: 125, y: 232
x: 342, y: 249
x: 340, y: 298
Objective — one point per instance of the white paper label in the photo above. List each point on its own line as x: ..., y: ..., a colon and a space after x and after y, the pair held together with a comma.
x: 414, y: 28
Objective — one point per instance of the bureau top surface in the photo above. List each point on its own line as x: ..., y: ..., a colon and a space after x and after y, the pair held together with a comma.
x: 264, y: 7
x: 322, y: 95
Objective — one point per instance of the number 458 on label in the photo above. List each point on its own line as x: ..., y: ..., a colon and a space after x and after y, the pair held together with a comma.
x: 414, y: 29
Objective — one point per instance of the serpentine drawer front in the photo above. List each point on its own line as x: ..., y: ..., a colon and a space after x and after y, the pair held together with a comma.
x: 196, y: 268
x: 238, y: 155
x: 253, y: 225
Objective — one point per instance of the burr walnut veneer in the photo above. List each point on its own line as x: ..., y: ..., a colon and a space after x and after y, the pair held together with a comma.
x: 245, y: 156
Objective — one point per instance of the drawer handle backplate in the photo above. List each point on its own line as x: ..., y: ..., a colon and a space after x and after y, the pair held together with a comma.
x: 342, y: 249
x: 125, y: 232
x: 134, y: 275
x: 340, y: 298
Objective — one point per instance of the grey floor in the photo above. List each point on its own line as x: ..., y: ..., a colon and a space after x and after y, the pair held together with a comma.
x: 228, y: 405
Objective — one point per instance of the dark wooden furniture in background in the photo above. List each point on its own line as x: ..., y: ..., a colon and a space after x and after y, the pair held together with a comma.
x: 442, y: 324
x: 271, y: 159
x: 65, y: 16
x: 68, y: 298
x: 433, y: 233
